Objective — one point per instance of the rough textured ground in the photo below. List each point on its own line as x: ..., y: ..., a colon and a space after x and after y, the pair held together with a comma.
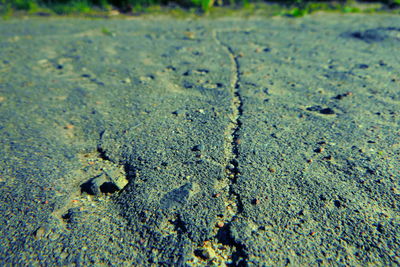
x: 226, y: 142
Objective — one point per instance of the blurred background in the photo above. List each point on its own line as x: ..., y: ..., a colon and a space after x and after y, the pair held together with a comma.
x: 287, y: 7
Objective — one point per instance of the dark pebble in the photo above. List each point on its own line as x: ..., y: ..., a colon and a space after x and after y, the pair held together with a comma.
x: 171, y: 68
x: 188, y: 85
x: 337, y: 203
x: 203, y: 71
x: 327, y: 111
x: 319, y: 150
x: 235, y: 162
x: 187, y: 73
x: 340, y: 96
x: 73, y: 215
x: 177, y: 112
x: 198, y: 147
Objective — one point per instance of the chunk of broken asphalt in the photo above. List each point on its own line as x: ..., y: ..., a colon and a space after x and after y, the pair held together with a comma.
x: 92, y: 186
x: 116, y: 179
x: 110, y: 181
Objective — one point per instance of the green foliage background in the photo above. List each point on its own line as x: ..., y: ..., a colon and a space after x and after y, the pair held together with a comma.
x: 299, y: 7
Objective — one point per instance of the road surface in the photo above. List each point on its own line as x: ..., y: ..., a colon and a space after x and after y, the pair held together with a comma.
x: 239, y: 142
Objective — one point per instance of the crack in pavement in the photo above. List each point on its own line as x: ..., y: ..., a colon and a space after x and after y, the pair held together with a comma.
x: 232, y: 154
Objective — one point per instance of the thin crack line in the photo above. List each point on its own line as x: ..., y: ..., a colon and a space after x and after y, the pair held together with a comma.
x: 237, y: 111
x: 238, y: 101
x: 232, y: 152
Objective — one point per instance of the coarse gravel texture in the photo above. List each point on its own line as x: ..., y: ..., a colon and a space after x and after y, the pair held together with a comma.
x: 239, y: 142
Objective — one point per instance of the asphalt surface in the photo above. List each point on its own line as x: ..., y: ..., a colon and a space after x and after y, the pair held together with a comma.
x: 259, y: 142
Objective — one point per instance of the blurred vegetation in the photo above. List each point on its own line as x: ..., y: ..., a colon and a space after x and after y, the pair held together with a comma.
x: 294, y: 8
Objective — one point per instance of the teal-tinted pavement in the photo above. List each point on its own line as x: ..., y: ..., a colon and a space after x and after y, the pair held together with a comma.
x: 191, y: 142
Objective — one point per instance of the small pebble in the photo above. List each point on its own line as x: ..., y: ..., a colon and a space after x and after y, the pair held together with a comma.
x: 319, y: 150
x: 127, y: 80
x: 190, y: 35
x: 40, y: 232
x: 341, y: 96
x: 348, y: 93
x: 207, y: 253
x: 230, y: 167
x: 171, y: 68
x: 220, y: 224
x: 327, y: 111
x: 198, y: 147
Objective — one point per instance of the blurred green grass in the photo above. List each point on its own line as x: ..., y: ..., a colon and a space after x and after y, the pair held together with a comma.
x: 293, y: 8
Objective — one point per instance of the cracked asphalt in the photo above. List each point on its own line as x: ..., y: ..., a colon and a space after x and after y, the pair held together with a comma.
x: 225, y: 142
